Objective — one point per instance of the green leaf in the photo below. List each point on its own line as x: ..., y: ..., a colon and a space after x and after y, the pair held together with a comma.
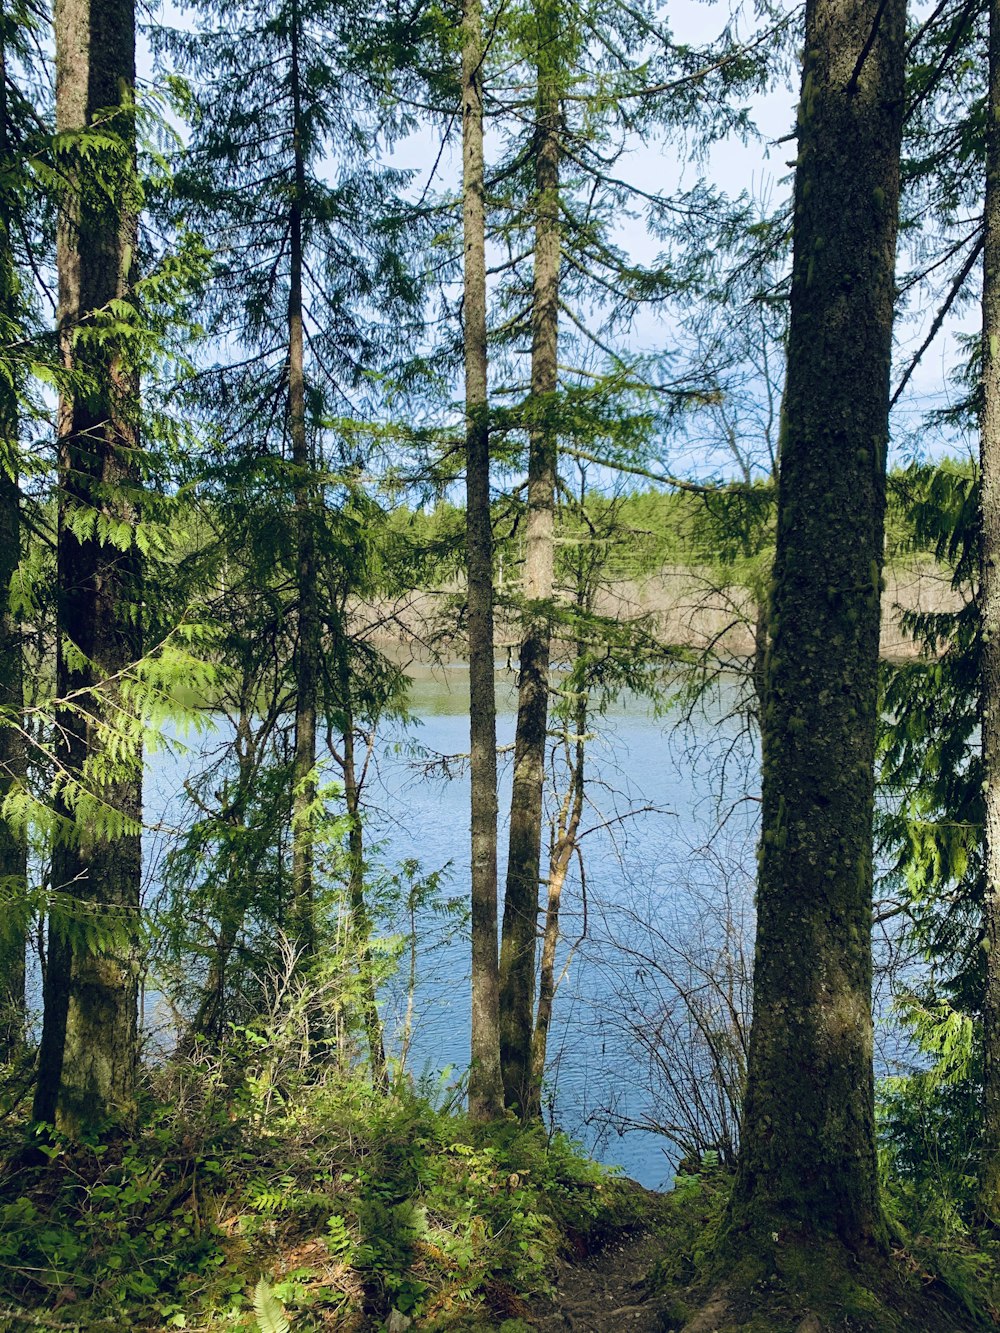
x: 271, y: 1317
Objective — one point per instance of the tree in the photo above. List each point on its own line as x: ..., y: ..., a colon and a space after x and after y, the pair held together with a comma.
x: 585, y: 107
x: 226, y: 881
x: 807, y: 1160
x: 485, y: 1085
x: 310, y: 296
x: 308, y: 647
x: 14, y: 308
x: 989, y: 601
x: 87, y: 1060
x: 520, y: 913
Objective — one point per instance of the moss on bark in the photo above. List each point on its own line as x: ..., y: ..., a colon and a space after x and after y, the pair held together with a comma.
x: 807, y: 1170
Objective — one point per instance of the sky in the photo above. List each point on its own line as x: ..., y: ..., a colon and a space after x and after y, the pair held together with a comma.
x: 760, y: 167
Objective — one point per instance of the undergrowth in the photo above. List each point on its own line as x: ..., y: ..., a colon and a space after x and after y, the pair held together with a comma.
x: 334, y: 1206
x: 941, y: 1274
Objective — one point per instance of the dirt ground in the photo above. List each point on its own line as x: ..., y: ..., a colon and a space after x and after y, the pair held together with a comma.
x: 605, y: 1293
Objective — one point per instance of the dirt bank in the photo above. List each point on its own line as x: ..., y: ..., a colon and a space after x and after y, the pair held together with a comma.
x: 684, y: 604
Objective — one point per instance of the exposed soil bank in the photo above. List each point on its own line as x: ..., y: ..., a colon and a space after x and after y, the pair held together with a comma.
x: 684, y: 604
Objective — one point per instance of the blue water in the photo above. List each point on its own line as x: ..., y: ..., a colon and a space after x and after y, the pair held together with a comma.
x: 661, y: 856
x: 665, y: 892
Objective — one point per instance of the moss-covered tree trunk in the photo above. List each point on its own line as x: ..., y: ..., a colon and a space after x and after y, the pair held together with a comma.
x: 520, y: 913
x: 88, y: 1051
x: 807, y: 1159
x: 989, y: 592
x: 303, y: 926
x: 13, y: 882
x: 485, y: 1085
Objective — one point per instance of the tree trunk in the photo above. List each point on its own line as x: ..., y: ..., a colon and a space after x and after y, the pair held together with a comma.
x: 989, y: 593
x: 564, y: 846
x: 88, y: 1053
x: 210, y: 1018
x: 807, y: 1160
x: 307, y: 659
x: 759, y: 661
x: 485, y: 1085
x: 13, y: 863
x: 520, y: 915
x: 361, y: 926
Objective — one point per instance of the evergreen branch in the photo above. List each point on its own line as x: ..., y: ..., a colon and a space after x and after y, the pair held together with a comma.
x: 663, y: 478
x: 696, y: 76
x: 940, y: 317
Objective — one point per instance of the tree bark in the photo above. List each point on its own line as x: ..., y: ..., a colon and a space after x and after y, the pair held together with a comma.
x: 88, y: 1055
x: 563, y: 848
x: 307, y: 658
x: 520, y: 915
x: 361, y: 926
x: 13, y: 856
x: 989, y: 593
x: 807, y: 1161
x: 485, y: 1085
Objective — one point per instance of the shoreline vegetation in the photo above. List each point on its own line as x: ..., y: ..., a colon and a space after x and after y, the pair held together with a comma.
x: 691, y: 570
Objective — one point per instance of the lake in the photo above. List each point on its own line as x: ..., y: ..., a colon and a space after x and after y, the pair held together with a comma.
x: 667, y: 871
x: 654, y: 1002
x: 664, y: 900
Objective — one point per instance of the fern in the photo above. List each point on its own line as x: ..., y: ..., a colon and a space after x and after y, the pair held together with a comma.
x: 271, y: 1317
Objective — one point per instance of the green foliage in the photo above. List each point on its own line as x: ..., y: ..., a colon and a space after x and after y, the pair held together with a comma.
x: 116, y: 1233
x: 928, y: 1141
x: 928, y: 1125
x: 690, y: 1222
x: 929, y: 831
x: 271, y: 1317
x: 335, y: 1202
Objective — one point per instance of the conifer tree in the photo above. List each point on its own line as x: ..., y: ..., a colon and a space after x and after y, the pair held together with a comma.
x: 485, y: 1085
x: 989, y: 602
x: 310, y: 293
x: 87, y: 1060
x: 807, y: 1161
x: 942, y: 741
x: 13, y: 883
x: 586, y: 391
x: 520, y: 916
x: 361, y: 922
x: 307, y: 660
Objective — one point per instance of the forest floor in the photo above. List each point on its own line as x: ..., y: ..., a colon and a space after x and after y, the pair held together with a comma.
x: 639, y: 1276
x: 609, y: 1290
x: 358, y: 1212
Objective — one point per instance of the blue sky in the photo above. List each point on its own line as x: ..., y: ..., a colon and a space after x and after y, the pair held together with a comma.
x: 759, y: 167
